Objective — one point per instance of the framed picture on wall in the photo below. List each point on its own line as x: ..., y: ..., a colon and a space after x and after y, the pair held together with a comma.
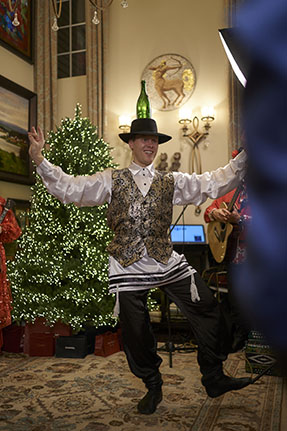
x: 17, y: 38
x: 18, y: 112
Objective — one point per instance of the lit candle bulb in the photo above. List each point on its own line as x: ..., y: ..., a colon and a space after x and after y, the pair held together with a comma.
x: 185, y: 114
x: 207, y: 112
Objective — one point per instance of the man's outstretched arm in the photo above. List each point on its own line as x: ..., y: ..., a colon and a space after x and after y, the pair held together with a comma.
x: 196, y: 188
x: 87, y: 190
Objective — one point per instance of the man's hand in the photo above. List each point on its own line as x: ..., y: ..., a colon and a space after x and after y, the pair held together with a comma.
x: 234, y: 217
x: 37, y: 142
x: 225, y: 216
x: 221, y: 214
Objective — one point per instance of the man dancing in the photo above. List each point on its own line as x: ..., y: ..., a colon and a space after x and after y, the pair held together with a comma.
x: 140, y: 203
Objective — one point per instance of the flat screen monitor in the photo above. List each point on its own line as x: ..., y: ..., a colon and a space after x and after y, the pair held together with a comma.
x: 188, y: 234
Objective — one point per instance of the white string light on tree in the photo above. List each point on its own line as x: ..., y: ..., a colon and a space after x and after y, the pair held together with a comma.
x: 60, y: 271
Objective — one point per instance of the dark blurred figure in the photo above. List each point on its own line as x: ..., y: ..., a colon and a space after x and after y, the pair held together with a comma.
x: 239, y: 217
x: 262, y: 285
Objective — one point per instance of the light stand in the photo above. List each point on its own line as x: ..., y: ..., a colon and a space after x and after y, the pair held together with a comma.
x: 236, y: 53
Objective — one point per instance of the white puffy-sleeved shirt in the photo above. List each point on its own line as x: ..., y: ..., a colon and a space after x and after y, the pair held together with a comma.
x: 188, y: 189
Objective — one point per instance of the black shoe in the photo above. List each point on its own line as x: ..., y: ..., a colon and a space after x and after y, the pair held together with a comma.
x: 148, y: 404
x: 221, y: 384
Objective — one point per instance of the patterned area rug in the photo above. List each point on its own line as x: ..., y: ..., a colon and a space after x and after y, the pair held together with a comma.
x: 100, y: 394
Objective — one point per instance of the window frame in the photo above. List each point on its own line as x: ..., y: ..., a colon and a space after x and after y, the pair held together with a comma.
x: 70, y: 53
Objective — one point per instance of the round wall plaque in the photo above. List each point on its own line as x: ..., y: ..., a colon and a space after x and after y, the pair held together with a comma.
x: 170, y: 81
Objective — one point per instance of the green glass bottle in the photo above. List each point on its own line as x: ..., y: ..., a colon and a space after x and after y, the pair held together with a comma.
x: 143, y: 105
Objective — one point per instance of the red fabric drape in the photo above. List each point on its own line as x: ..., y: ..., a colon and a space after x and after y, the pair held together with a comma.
x: 9, y: 232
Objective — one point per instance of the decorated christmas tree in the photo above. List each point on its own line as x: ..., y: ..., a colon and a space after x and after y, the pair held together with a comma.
x: 60, y: 271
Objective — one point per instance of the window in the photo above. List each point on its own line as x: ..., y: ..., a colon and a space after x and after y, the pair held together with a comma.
x: 72, y: 39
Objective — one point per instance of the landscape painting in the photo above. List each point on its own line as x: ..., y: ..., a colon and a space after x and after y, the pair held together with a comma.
x: 17, y: 115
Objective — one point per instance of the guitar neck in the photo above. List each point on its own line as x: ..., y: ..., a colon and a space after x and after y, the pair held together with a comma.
x: 234, y: 197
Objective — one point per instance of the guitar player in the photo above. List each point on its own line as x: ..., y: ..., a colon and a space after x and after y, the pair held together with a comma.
x: 239, y: 217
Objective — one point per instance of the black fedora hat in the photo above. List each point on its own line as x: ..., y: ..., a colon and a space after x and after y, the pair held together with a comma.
x: 144, y: 126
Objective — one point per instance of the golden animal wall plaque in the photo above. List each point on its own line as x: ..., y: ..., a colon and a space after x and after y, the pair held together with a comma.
x: 170, y: 81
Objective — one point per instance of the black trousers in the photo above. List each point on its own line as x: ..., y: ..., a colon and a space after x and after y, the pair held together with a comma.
x: 205, y: 320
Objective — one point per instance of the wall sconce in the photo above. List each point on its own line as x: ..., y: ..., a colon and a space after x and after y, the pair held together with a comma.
x: 195, y: 136
x: 124, y: 123
x: 207, y: 116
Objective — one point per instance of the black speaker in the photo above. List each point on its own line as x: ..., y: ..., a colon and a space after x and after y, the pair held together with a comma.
x: 74, y: 346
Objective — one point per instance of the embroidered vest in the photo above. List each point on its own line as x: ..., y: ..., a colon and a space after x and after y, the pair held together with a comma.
x: 139, y: 221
